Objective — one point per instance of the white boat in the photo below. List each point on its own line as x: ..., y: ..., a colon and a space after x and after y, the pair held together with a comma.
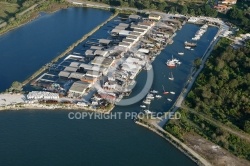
x: 148, y: 112
x: 187, y: 47
x: 150, y: 96
x: 171, y: 77
x: 192, y: 49
x: 178, y: 63
x: 180, y: 53
x: 146, y: 101
x: 142, y: 106
x: 172, y: 92
x: 169, y: 99
x: 158, y: 96
x: 154, y: 91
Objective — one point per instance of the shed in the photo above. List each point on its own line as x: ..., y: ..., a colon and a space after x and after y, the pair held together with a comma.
x: 101, y: 53
x: 79, y: 87
x: 64, y: 74
x: 72, y: 69
x: 104, y: 41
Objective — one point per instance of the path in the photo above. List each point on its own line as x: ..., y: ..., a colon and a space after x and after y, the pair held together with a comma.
x: 240, y: 134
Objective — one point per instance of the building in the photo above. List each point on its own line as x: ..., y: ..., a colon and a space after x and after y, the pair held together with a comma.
x: 64, y: 74
x: 102, y: 61
x: 134, y: 17
x: 229, y: 2
x: 104, y: 42
x: 101, y: 53
x: 155, y: 17
x: 79, y: 88
x: 222, y: 8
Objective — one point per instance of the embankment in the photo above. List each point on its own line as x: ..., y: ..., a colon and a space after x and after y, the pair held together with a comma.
x: 174, y: 141
x: 70, y: 48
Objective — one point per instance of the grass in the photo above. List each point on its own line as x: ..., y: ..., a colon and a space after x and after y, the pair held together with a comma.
x: 7, y: 10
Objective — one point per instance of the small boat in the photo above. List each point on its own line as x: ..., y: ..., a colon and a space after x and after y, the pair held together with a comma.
x: 171, y: 77
x: 148, y: 112
x: 150, y: 96
x: 189, y: 44
x: 192, y: 49
x: 154, y: 91
x: 178, y: 63
x: 180, y: 53
x: 169, y: 99
x: 164, y: 92
x: 146, y: 101
x: 172, y: 92
x: 142, y: 106
x: 187, y: 47
x: 158, y: 96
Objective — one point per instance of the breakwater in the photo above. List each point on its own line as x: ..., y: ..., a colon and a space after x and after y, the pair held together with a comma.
x: 174, y: 141
x: 70, y: 48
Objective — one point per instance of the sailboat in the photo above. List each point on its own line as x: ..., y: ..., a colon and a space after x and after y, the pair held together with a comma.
x: 169, y: 99
x: 172, y: 92
x: 180, y: 53
x: 142, y: 106
x: 171, y: 76
x: 158, y: 96
x: 164, y: 92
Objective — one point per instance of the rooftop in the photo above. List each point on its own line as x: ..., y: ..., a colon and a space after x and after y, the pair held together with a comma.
x: 79, y: 87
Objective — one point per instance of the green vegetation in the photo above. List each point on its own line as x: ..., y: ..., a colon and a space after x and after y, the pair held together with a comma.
x: 222, y: 89
x: 16, y: 87
x: 195, y: 124
x: 24, y: 11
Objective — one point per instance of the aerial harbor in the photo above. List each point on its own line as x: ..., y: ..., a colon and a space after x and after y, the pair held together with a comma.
x: 90, y: 82
x: 99, y: 72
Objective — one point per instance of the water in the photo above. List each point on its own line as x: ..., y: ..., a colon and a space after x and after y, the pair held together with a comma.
x: 49, y: 137
x: 38, y: 42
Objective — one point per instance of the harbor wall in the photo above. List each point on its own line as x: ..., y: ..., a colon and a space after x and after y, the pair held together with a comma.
x: 70, y: 48
x: 177, y: 143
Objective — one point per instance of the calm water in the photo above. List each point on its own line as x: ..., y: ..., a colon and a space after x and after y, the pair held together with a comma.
x: 49, y: 137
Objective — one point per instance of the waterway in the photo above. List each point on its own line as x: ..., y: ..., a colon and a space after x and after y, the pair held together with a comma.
x: 43, y: 137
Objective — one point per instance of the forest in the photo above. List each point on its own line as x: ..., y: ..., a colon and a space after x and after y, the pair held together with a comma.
x: 222, y: 89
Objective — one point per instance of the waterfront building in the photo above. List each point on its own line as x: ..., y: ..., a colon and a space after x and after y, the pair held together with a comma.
x: 64, y: 74
x: 70, y: 69
x: 41, y: 95
x: 102, y: 61
x: 154, y: 17
x: 104, y: 42
x: 78, y: 88
x: 76, y: 75
x: 134, y: 18
x: 101, y: 53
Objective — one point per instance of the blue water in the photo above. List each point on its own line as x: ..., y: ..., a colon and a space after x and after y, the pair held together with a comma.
x: 43, y: 137
x: 29, y: 47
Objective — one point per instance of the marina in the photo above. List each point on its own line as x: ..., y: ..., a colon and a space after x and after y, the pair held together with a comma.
x: 162, y: 85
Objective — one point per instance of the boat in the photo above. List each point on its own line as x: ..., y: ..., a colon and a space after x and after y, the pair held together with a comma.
x: 164, y: 92
x: 172, y: 92
x: 147, y: 112
x: 169, y: 99
x: 180, y: 53
x: 190, y: 44
x: 170, y: 63
x: 154, y: 91
x: 150, y: 96
x: 192, y: 49
x: 146, y: 101
x: 158, y: 96
x: 187, y: 47
x: 171, y: 76
x: 142, y: 106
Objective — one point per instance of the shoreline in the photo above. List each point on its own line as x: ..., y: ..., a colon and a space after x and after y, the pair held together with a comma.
x: 199, y: 160
x: 42, y: 106
x: 70, y: 48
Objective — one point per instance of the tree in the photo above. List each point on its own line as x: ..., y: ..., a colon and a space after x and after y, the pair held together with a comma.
x: 197, y: 62
x: 184, y: 10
